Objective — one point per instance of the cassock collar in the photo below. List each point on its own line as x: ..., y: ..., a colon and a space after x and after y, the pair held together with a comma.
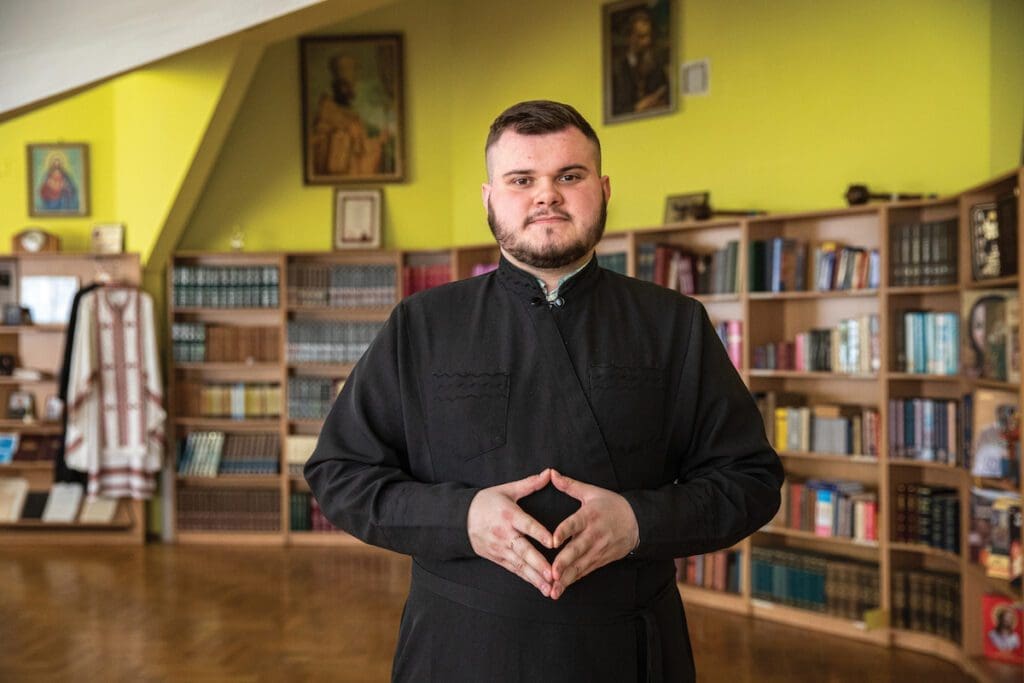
x: 524, y: 284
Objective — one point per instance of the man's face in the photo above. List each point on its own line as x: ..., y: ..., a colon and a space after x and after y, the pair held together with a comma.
x: 545, y: 197
x: 640, y: 38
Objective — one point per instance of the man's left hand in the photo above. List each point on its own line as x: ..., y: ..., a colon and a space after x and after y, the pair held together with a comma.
x: 603, y: 530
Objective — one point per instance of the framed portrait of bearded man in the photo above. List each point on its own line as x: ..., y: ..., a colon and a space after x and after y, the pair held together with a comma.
x: 352, y: 109
x: 638, y: 58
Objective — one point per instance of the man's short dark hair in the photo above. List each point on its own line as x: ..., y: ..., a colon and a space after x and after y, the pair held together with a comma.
x: 540, y: 117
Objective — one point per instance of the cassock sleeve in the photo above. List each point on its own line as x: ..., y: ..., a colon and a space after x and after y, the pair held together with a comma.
x: 360, y: 471
x: 729, y: 476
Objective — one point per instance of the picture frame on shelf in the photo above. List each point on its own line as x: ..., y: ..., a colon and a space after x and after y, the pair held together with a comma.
x: 58, y: 179
x: 21, y: 405
x: 353, y: 118
x: 688, y: 206
x: 357, y: 219
x: 53, y: 409
x: 638, y: 56
x: 108, y: 238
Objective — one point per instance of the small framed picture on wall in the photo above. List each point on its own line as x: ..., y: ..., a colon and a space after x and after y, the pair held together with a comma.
x: 638, y: 56
x: 58, y: 179
x: 357, y: 219
x: 352, y: 109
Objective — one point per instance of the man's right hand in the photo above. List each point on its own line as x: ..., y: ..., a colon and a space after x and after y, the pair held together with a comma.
x: 498, y: 528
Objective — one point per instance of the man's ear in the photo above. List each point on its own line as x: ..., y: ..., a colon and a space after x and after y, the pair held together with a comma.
x: 606, y: 187
x: 485, y: 193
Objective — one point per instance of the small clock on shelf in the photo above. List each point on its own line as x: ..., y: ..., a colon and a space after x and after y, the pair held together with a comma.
x: 35, y: 241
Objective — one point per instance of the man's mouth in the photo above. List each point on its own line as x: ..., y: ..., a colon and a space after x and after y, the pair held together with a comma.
x: 548, y: 218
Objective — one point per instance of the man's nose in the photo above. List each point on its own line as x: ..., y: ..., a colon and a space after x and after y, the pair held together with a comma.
x: 547, y: 195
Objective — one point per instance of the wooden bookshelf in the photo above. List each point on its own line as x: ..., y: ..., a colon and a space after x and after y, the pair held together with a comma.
x: 40, y: 347
x: 766, y: 317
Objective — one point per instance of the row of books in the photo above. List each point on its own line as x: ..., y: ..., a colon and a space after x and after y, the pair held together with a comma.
x: 783, y: 264
x: 420, y: 278
x: 226, y: 286
x: 731, y: 334
x: 15, y: 447
x: 329, y: 341
x: 341, y: 285
x: 238, y: 401
x: 994, y: 539
x: 208, y: 509
x: 827, y: 428
x: 927, y: 515
x: 852, y: 347
x: 835, y: 509
x: 202, y: 343
x: 213, y: 453
x: 923, y: 254
x: 718, y: 571
x: 925, y: 429
x: 311, y: 398
x: 615, y: 261
x: 689, y: 272
x: 927, y: 602
x: 927, y: 342
x: 305, y: 514
x: 821, y: 583
x: 63, y: 503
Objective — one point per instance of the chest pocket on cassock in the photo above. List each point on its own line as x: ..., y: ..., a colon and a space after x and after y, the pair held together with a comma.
x: 629, y: 404
x: 468, y: 412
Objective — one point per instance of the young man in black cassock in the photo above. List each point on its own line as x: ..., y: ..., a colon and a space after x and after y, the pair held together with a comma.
x: 543, y: 440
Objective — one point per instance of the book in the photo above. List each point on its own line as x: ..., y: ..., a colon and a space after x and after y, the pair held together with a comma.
x: 13, y: 491
x: 1002, y: 629
x: 63, y: 502
x: 97, y: 510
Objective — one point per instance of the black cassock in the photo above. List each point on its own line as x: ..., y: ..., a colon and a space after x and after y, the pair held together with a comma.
x: 621, y: 384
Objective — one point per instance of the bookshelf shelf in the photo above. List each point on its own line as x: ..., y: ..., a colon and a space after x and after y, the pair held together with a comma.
x: 920, y: 549
x: 17, y: 381
x: 369, y: 314
x: 36, y: 525
x: 230, y: 537
x: 227, y: 425
x: 923, y: 290
x: 925, y: 465
x: 26, y: 466
x: 707, y: 597
x: 994, y: 283
x: 33, y: 329
x: 242, y: 481
x: 798, y: 374
x: 1000, y: 484
x: 327, y: 369
x: 815, y: 294
x: 33, y: 427
x: 922, y: 377
x: 227, y: 367
x: 927, y: 643
x: 994, y: 384
x: 866, y: 460
x: 811, y: 536
x: 221, y: 310
x: 716, y: 298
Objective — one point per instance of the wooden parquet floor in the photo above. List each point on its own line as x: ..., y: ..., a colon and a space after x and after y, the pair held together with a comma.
x: 188, y: 613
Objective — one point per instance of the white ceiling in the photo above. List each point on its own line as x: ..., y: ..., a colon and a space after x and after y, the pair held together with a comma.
x: 50, y: 47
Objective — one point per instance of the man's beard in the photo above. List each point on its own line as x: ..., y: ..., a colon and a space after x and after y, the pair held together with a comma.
x: 551, y: 256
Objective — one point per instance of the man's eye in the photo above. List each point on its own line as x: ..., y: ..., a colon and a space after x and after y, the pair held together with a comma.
x: 521, y: 181
x: 569, y: 177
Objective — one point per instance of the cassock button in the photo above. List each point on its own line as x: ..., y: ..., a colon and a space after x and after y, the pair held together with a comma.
x: 558, y: 302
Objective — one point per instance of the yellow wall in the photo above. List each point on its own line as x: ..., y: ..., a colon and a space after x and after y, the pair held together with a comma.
x: 86, y: 117
x: 1007, y: 85
x: 806, y: 97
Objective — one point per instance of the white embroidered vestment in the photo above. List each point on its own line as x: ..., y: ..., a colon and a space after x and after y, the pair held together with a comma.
x: 115, y: 408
